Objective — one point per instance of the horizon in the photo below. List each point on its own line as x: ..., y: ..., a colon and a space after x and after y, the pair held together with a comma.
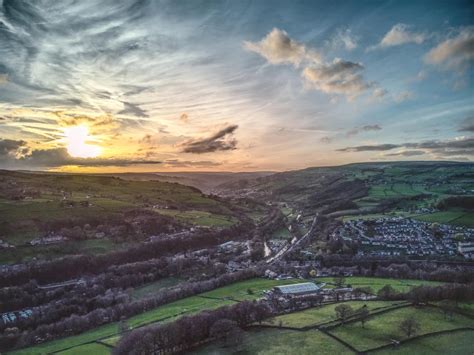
x: 112, y: 87
x: 270, y: 172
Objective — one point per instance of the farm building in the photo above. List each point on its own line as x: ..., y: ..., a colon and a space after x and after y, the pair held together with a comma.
x: 304, y: 288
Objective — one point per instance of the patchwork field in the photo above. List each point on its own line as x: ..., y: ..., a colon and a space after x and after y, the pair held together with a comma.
x: 209, y: 300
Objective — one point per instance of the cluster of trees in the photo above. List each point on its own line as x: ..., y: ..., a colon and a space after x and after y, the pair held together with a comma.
x: 48, y: 305
x: 423, y: 294
x: 466, y: 202
x: 70, y: 267
x: 75, y: 324
x: 188, y: 332
x: 128, y: 225
x: 432, y: 271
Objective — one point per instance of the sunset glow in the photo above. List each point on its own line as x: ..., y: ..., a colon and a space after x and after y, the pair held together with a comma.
x: 77, y: 146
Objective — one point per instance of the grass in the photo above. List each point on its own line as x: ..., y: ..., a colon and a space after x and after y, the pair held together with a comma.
x: 376, y: 283
x: 147, y: 290
x: 275, y: 341
x: 201, y: 218
x: 460, y: 343
x: 381, y: 329
x: 322, y: 314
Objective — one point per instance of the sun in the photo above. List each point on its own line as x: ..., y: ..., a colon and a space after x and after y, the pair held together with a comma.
x: 77, y: 146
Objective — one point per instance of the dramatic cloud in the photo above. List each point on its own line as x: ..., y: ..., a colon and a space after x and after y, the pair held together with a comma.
x: 344, y: 39
x: 467, y: 125
x: 458, y: 147
x: 455, y: 53
x: 401, y: 34
x: 57, y: 157
x: 222, y: 140
x: 278, y: 48
x: 338, y: 77
x: 12, y: 148
x: 132, y: 109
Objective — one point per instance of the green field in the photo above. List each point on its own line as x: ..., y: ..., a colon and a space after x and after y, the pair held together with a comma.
x: 253, y: 341
x: 459, y: 343
x: 455, y: 217
x: 275, y: 341
x: 381, y: 329
x: 201, y: 218
x: 319, y: 315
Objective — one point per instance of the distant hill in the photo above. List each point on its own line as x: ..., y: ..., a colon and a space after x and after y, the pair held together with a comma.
x: 404, y: 188
x: 204, y: 181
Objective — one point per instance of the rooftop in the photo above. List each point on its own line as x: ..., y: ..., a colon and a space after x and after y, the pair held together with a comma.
x: 298, y: 288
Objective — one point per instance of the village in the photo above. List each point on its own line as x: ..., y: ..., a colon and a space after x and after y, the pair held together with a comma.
x: 394, y: 236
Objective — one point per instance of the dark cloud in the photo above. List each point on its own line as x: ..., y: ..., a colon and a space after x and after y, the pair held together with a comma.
x: 222, y: 140
x: 406, y: 153
x: 132, y: 109
x: 339, y: 77
x: 56, y: 157
x: 456, y: 147
x: 370, y: 148
x: 10, y: 147
x: 366, y: 128
x: 467, y: 125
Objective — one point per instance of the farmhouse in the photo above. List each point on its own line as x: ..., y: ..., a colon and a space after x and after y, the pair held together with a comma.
x: 300, y: 289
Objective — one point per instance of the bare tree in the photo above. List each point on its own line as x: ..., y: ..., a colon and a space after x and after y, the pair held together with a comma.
x: 343, y: 311
x: 409, y: 326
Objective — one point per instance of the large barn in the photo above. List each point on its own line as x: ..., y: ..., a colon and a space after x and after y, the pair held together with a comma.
x: 304, y: 288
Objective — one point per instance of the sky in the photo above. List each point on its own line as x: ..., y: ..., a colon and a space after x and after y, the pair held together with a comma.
x: 109, y: 85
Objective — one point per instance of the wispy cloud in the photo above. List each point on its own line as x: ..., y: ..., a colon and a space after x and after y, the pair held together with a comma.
x: 401, y: 34
x: 454, y: 53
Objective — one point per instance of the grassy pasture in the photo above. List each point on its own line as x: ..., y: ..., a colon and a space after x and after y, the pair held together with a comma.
x: 275, y: 341
x: 381, y: 329
x: 319, y: 315
x: 459, y: 343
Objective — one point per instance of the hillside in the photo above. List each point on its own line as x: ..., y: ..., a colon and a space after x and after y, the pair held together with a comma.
x: 95, y: 213
x: 400, y: 188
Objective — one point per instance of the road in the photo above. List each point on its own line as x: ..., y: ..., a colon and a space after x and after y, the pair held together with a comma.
x: 290, y: 247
